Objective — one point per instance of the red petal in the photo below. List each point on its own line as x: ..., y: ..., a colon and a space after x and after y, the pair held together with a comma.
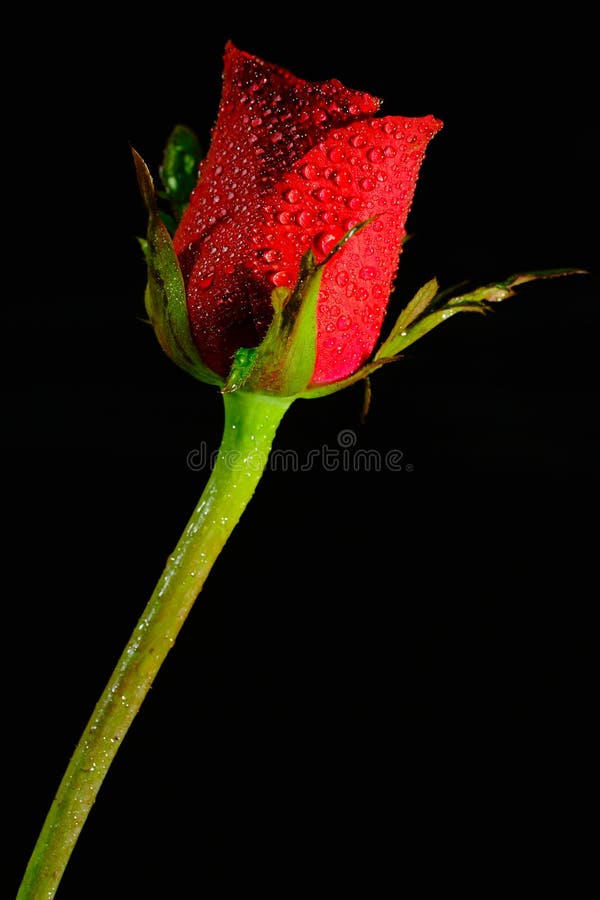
x: 268, y: 119
x: 366, y: 169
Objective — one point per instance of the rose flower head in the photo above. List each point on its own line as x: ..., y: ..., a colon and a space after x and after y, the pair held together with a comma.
x: 293, y: 166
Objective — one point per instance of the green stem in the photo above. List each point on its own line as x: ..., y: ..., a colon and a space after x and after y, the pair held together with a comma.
x: 251, y: 421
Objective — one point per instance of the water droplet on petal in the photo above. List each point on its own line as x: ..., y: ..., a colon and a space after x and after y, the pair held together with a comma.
x: 357, y: 140
x: 343, y: 323
x: 342, y: 178
x: 342, y: 278
x: 367, y: 184
x: 325, y: 242
x: 323, y: 194
x: 308, y: 171
x: 205, y: 283
x: 329, y: 216
x: 368, y: 273
x: 281, y: 279
x: 291, y: 196
x: 374, y: 155
x: 304, y: 218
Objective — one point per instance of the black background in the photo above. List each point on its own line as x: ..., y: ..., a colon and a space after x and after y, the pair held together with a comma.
x: 382, y: 665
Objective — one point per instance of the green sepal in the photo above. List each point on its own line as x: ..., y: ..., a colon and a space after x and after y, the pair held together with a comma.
x: 165, y: 292
x: 427, y: 309
x: 285, y: 360
x: 430, y: 307
x: 243, y: 363
x: 179, y: 173
x: 323, y: 390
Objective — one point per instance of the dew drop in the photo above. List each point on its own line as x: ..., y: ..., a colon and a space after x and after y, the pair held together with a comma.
x: 329, y: 216
x: 256, y: 122
x: 334, y: 154
x: 368, y: 273
x: 343, y: 323
x: 374, y: 155
x: 308, y: 171
x: 291, y: 195
x: 283, y: 218
x: 353, y: 202
x: 342, y: 278
x: 281, y: 279
x: 367, y: 184
x: 357, y: 140
x: 325, y: 242
x: 206, y: 282
x: 304, y: 218
x: 342, y: 178
x: 272, y: 256
x: 323, y: 194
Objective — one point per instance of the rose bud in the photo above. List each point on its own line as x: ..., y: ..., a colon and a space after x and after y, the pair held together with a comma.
x: 292, y: 167
x: 284, y: 256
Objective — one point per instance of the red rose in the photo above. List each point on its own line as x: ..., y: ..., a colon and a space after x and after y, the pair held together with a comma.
x: 294, y: 165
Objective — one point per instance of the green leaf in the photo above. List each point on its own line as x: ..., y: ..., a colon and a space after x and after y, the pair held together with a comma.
x: 165, y: 292
x: 179, y: 171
